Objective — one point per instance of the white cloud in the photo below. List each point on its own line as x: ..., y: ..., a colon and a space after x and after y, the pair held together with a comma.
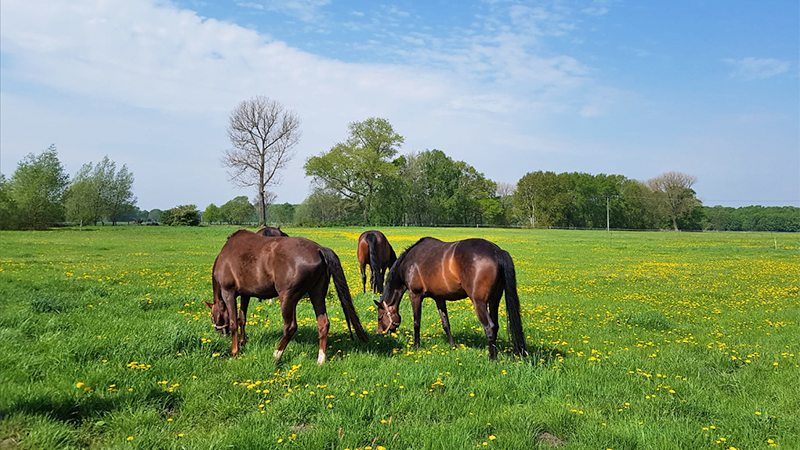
x: 757, y: 68
x: 172, y: 77
x: 251, y: 5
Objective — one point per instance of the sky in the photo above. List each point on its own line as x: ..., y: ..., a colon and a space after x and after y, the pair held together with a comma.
x: 708, y: 88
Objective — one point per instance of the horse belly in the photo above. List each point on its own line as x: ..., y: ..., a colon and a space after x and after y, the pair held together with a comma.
x: 261, y: 292
x: 447, y: 294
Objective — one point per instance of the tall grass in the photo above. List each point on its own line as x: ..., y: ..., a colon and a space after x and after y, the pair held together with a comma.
x: 636, y: 340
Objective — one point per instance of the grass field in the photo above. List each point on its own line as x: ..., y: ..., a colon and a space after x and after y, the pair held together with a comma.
x: 638, y: 340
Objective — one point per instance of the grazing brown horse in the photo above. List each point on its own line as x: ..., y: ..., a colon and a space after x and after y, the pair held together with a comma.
x: 374, y: 249
x: 272, y: 231
x: 474, y: 268
x: 250, y: 265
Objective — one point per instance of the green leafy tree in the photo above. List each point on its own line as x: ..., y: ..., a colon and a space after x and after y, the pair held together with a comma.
x: 82, y: 198
x: 540, y: 198
x: 212, y: 214
x: 473, y: 201
x: 154, y: 215
x: 638, y: 205
x: 37, y: 188
x: 118, y: 197
x: 324, y: 208
x: 238, y: 211
x: 282, y: 214
x: 182, y: 215
x: 8, y: 207
x: 356, y: 168
x: 166, y: 217
x: 100, y: 192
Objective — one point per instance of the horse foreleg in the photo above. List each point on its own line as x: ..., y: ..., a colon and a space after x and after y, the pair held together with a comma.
x: 243, y: 318
x: 233, y: 322
x: 288, y: 306
x: 489, y: 326
x: 442, y: 305
x: 416, y: 308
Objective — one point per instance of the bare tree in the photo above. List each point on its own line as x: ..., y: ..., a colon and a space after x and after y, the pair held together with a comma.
x: 505, y: 189
x: 263, y: 135
x: 677, y: 193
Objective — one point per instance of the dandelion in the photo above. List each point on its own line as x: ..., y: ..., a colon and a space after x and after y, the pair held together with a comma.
x: 492, y: 437
x: 79, y: 385
x: 130, y: 438
x: 758, y: 413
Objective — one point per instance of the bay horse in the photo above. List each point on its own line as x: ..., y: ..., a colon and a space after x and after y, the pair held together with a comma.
x: 250, y: 265
x: 272, y: 231
x: 443, y: 271
x: 374, y: 249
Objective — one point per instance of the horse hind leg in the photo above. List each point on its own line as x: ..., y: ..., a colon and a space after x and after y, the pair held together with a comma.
x: 442, y: 306
x: 489, y: 322
x: 289, y: 314
x: 317, y: 298
x: 363, y: 276
x: 373, y: 280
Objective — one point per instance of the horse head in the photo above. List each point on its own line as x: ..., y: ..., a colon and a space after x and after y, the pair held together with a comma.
x: 219, y: 317
x: 389, y: 306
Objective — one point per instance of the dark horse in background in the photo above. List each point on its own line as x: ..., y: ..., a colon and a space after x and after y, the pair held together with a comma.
x: 272, y: 231
x: 474, y: 268
x: 374, y: 249
x: 250, y: 265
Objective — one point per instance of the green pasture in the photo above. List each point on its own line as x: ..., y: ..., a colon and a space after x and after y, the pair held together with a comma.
x: 637, y: 340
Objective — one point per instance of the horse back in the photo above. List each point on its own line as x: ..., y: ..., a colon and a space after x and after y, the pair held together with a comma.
x: 453, y: 270
x: 254, y: 266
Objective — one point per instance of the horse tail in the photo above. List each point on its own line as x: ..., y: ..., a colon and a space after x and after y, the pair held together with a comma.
x: 343, y: 291
x: 512, y: 304
x: 374, y: 263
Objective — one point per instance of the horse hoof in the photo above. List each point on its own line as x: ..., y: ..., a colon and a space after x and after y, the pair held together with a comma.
x: 321, y: 358
x: 277, y: 355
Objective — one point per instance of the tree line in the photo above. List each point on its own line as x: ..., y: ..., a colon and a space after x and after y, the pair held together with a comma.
x: 365, y: 181
x: 40, y: 194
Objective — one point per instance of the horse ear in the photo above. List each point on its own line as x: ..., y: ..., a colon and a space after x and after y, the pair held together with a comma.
x: 378, y: 304
x: 207, y: 304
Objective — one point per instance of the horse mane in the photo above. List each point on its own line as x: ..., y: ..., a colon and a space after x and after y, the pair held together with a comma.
x: 400, y: 260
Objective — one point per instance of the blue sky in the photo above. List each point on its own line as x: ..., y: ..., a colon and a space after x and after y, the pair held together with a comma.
x: 631, y: 88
